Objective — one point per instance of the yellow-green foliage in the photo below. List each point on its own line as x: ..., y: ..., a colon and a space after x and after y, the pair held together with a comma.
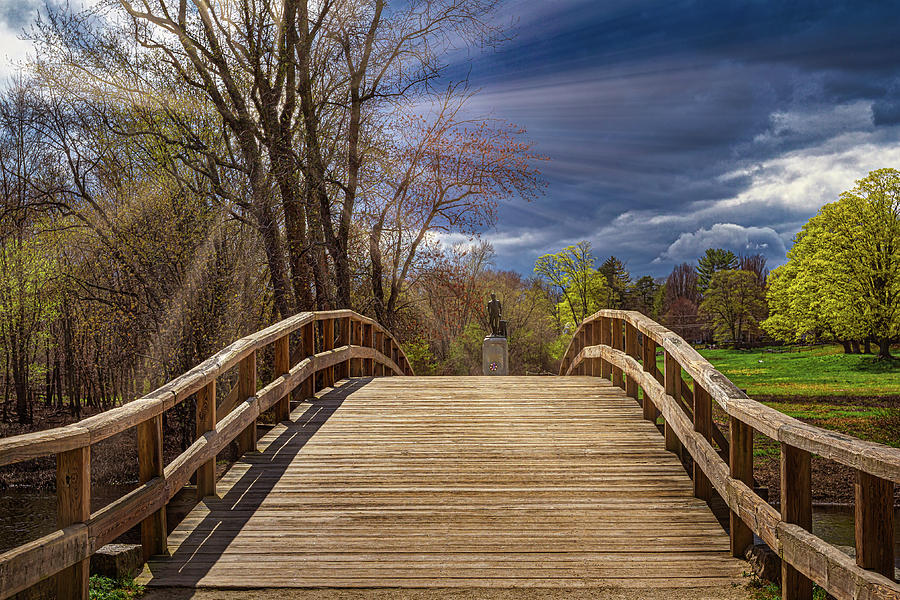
x: 842, y: 278
x: 582, y: 289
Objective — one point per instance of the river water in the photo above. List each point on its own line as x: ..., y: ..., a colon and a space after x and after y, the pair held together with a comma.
x: 27, y: 515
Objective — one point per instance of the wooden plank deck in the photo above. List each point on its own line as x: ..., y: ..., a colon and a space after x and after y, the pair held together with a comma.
x: 455, y: 482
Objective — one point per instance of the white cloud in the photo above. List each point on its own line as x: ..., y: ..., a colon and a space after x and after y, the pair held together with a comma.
x: 741, y: 240
x: 12, y: 51
x: 781, y: 194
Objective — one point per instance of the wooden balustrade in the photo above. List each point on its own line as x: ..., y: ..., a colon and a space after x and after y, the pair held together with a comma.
x: 66, y: 552
x: 690, y: 432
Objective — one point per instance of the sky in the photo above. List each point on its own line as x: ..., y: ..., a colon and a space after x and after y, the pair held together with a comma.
x: 674, y: 126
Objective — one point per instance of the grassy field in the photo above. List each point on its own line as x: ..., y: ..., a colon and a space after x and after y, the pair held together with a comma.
x: 820, y: 385
x: 806, y: 372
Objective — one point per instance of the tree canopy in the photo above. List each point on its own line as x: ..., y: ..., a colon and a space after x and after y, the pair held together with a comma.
x: 842, y: 278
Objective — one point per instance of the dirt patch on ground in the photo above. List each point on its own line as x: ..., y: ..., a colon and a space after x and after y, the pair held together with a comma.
x: 715, y: 593
x: 832, y: 483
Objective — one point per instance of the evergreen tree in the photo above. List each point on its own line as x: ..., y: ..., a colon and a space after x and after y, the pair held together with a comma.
x: 618, y: 280
x: 715, y: 259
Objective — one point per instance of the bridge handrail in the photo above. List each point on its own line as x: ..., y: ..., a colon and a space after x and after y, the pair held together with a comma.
x: 596, y: 349
x: 364, y: 347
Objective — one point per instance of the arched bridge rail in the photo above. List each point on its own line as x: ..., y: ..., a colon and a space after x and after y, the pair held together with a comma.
x: 622, y: 346
x: 328, y: 346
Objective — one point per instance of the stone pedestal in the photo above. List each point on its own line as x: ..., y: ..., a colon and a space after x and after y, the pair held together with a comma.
x: 495, y: 356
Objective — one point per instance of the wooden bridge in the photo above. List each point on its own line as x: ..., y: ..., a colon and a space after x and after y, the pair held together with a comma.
x: 600, y: 477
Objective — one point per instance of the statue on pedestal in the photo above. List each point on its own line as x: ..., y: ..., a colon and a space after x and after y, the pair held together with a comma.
x: 495, y: 311
x: 494, y: 351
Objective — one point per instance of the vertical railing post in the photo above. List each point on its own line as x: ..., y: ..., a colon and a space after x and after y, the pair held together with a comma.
x: 150, y: 465
x: 673, y: 388
x: 389, y: 352
x: 309, y: 348
x: 283, y: 367
x: 631, y: 349
x: 328, y: 344
x: 246, y: 440
x: 740, y: 465
x: 588, y: 341
x: 874, y: 523
x: 369, y: 342
x: 796, y: 508
x: 595, y: 341
x: 345, y: 341
x: 703, y: 425
x: 579, y: 344
x: 618, y: 342
x: 206, y: 422
x: 649, y: 359
x: 73, y: 501
x: 379, y: 346
x: 606, y: 340
x: 360, y: 341
x: 356, y: 340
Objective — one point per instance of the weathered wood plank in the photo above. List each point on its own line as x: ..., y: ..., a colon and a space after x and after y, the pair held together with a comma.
x: 246, y: 441
x: 206, y: 422
x: 874, y: 523
x: 740, y: 461
x: 283, y: 367
x: 796, y: 509
x: 73, y: 501
x: 150, y: 466
x: 432, y: 481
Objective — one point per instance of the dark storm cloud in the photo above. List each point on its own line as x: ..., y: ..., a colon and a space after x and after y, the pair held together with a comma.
x: 713, y: 112
x: 17, y: 14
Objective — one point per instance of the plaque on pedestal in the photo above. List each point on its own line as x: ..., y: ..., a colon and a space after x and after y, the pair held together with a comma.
x: 495, y: 356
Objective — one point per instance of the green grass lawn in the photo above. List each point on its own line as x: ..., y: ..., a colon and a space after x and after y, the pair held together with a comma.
x: 806, y: 372
x: 818, y: 385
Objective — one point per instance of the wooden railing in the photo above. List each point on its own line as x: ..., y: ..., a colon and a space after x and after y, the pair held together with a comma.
x: 622, y: 346
x: 332, y: 345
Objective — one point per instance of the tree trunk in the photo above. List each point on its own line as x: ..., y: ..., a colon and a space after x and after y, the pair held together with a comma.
x: 48, y: 379
x: 6, y: 389
x: 847, y: 348
x: 884, y: 349
x: 20, y: 382
x: 854, y: 344
x: 377, y: 272
x: 867, y: 346
x: 57, y: 374
x: 271, y: 238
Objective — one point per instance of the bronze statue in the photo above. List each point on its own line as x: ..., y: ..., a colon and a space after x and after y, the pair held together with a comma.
x: 494, y: 316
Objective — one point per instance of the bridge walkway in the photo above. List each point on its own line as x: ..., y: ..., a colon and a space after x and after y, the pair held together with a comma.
x: 454, y: 482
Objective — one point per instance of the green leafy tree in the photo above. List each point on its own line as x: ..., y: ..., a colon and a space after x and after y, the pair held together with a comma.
x: 734, y: 304
x: 715, y: 259
x: 571, y: 271
x: 798, y: 308
x: 843, y: 273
